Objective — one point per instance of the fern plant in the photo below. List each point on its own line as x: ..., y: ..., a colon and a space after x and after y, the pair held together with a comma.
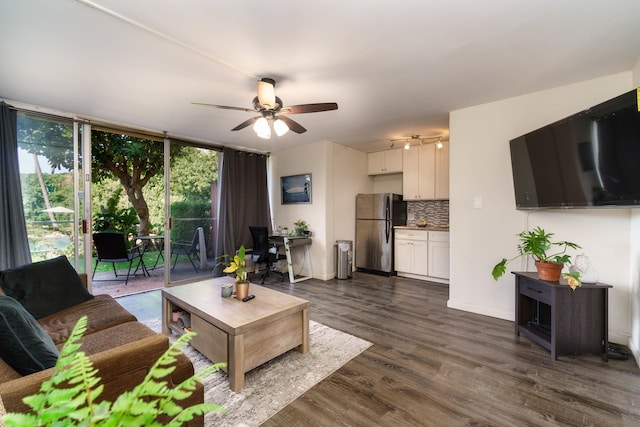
x: 69, y: 397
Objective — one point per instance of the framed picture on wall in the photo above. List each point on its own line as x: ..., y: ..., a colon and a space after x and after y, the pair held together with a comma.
x: 296, y: 189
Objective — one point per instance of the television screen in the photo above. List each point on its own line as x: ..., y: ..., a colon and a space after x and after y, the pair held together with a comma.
x: 590, y: 159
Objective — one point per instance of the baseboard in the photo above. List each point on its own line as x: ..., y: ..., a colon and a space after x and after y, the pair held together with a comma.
x: 477, y: 309
x: 425, y: 278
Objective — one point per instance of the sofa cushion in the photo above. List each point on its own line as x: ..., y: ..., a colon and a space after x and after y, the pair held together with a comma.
x: 102, y: 311
x: 44, y: 287
x: 113, y: 337
x: 24, y: 344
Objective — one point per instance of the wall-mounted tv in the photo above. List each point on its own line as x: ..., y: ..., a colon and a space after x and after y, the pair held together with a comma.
x: 589, y: 159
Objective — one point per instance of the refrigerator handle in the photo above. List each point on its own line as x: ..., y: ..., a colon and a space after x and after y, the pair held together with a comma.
x: 387, y: 220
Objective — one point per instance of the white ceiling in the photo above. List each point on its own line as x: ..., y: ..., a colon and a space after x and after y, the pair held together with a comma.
x: 395, y: 68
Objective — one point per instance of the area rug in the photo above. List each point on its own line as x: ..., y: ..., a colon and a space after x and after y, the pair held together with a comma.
x: 273, y: 385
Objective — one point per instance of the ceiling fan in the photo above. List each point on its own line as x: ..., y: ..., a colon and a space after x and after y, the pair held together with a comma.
x: 272, y: 112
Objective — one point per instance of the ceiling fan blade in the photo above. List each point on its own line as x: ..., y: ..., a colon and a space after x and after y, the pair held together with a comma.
x: 224, y: 107
x: 246, y: 123
x: 293, y: 125
x: 267, y: 93
x: 309, y: 108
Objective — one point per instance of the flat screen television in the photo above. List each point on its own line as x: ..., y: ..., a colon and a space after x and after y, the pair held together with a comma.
x: 589, y: 159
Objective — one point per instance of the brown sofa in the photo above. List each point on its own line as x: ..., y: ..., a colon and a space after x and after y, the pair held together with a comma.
x: 120, y: 347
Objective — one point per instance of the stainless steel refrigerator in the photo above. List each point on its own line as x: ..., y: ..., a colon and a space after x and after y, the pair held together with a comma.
x: 376, y: 214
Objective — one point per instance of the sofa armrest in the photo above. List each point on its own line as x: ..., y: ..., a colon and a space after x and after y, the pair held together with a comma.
x: 120, y: 369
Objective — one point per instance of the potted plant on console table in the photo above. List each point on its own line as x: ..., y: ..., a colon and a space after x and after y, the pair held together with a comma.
x: 549, y: 264
x: 301, y: 228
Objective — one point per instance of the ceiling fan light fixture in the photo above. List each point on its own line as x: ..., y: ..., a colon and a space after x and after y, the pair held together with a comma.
x: 265, y: 135
x: 262, y: 129
x: 267, y: 93
x: 280, y: 127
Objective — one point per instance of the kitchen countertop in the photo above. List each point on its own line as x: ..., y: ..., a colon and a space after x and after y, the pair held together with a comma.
x: 427, y: 228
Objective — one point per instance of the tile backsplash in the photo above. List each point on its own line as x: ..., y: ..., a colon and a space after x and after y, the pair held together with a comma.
x: 435, y: 212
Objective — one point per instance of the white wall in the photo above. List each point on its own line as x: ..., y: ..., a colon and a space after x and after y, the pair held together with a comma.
x: 350, y: 178
x: 480, y: 166
x: 338, y: 174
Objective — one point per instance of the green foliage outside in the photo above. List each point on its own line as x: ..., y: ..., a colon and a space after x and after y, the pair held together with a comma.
x: 110, y: 218
x: 131, y: 161
x: 183, y: 231
x: 127, y: 174
x: 70, y: 396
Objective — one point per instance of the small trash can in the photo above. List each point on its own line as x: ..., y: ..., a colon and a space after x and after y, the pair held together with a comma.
x: 344, y: 259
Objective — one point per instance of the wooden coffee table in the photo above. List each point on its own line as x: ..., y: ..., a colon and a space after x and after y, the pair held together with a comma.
x: 242, y: 334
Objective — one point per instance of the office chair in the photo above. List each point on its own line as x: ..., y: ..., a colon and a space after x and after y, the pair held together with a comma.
x: 111, y: 247
x: 263, y: 251
x: 189, y: 249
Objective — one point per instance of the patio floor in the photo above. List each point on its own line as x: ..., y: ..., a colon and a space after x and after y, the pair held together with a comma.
x: 106, y: 283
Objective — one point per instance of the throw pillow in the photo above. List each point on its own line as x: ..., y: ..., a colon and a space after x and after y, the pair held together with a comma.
x: 24, y: 344
x: 45, y: 287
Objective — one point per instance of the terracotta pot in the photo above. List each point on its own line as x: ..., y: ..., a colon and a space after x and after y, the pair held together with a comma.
x: 242, y: 290
x: 549, y: 271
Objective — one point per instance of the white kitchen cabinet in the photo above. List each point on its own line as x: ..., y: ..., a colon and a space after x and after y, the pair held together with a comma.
x: 422, y: 254
x: 420, y: 257
x: 439, y: 254
x: 383, y: 162
x: 411, y: 252
x: 425, y: 174
x: 403, y: 255
x: 442, y: 171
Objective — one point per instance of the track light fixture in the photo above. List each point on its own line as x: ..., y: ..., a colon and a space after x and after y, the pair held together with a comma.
x: 420, y: 140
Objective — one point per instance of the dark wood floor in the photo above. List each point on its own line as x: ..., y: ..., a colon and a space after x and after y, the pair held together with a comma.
x: 435, y: 366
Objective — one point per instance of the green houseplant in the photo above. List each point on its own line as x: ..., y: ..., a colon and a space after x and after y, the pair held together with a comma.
x: 237, y: 266
x: 69, y: 397
x: 546, y: 254
x: 300, y: 227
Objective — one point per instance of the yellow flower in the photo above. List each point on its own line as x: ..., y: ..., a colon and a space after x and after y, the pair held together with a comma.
x: 237, y: 266
x: 233, y: 265
x: 572, y: 280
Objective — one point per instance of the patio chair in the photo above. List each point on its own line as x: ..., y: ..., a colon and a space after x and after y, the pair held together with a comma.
x: 189, y: 249
x: 111, y: 247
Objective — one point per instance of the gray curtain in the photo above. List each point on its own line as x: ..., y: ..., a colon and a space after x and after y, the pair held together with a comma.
x: 244, y: 199
x: 14, y: 244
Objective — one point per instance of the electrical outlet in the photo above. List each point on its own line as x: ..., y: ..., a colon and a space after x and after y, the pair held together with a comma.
x: 477, y: 202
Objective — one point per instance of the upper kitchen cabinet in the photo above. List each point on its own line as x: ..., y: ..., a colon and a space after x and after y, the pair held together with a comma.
x: 382, y: 162
x: 442, y: 171
x: 426, y: 174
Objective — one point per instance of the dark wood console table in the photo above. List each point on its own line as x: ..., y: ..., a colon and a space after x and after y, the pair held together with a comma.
x: 560, y: 319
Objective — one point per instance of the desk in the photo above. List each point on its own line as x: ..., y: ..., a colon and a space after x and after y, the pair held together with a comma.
x: 293, y: 242
x: 156, y: 242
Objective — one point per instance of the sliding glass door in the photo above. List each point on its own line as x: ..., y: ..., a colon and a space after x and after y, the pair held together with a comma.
x: 49, y: 151
x: 193, y: 207
x: 178, y: 209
